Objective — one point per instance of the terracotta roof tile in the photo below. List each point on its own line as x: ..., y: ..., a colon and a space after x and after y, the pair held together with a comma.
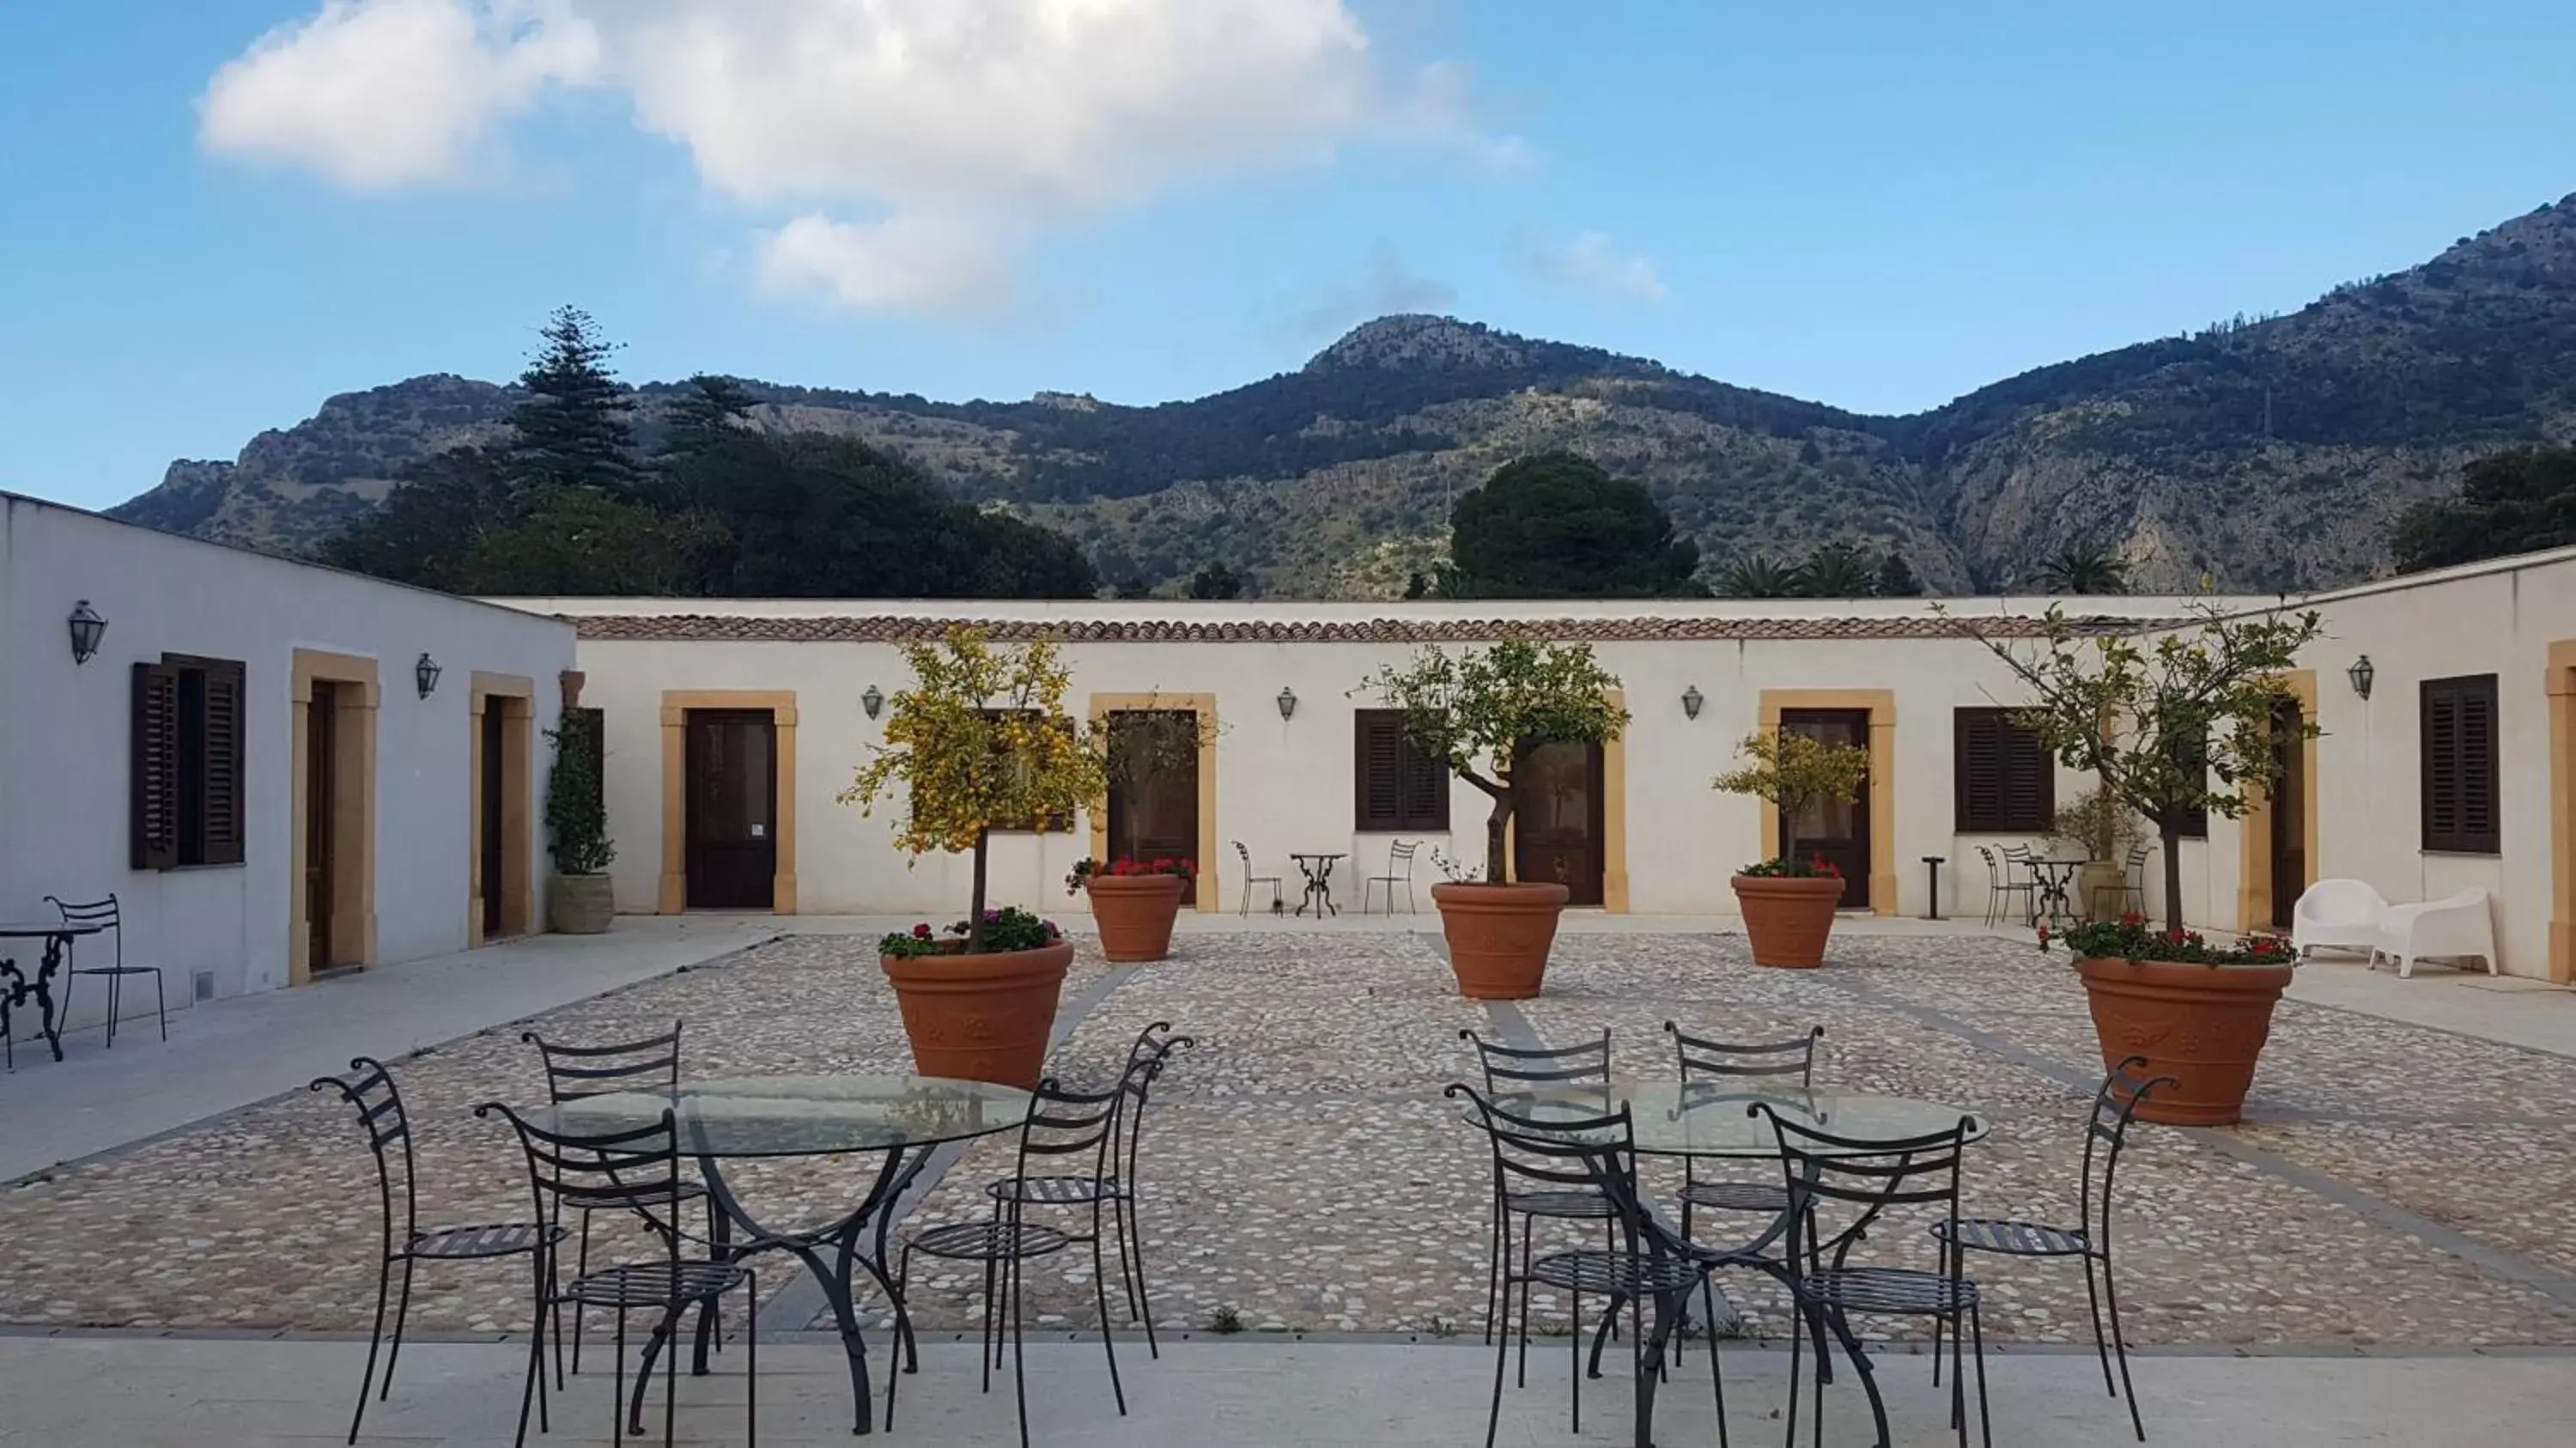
x: 891, y: 628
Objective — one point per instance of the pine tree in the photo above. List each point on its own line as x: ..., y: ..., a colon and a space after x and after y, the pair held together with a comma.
x: 572, y: 428
x: 708, y: 409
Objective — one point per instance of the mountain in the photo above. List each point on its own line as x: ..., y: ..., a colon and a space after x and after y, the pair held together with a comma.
x: 2260, y: 455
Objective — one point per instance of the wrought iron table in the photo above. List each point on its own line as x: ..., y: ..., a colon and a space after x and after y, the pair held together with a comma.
x: 792, y: 1116
x: 2051, y: 902
x: 16, y: 989
x: 1318, y: 870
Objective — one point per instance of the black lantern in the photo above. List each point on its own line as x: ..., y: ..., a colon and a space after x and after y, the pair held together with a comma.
x: 872, y: 701
x: 2361, y: 673
x: 425, y: 673
x: 1287, y: 702
x: 1691, y: 701
x: 87, y: 629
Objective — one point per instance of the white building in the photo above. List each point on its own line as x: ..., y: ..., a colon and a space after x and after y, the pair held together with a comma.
x: 249, y: 764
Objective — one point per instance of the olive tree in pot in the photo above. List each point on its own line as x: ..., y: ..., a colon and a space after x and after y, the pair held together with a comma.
x: 2174, y: 723
x: 1479, y: 711
x: 579, y: 899
x: 981, y: 741
x: 1789, y: 900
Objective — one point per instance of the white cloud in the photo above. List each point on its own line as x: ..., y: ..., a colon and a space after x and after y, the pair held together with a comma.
x: 1590, y: 263
x: 914, y: 149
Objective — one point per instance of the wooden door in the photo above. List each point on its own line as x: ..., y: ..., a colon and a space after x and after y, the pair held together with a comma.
x: 730, y: 809
x: 495, y: 769
x: 1556, y: 819
x: 321, y: 808
x: 1835, y: 831
x: 1154, y: 795
x: 2289, y: 812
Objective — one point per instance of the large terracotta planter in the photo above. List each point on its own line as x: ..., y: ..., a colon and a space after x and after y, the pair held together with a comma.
x: 1135, y: 913
x: 1788, y: 920
x: 2202, y: 1025
x: 980, y: 1017
x: 1499, y: 936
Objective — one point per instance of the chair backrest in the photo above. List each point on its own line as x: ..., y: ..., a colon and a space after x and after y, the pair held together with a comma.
x: 1867, y: 1174
x: 1570, y: 1153
x: 1244, y: 855
x: 1401, y: 853
x: 1701, y: 1056
x: 1067, y: 1123
x: 1145, y: 1061
x: 2106, y: 1132
x: 2346, y: 901
x: 1994, y: 872
x: 102, y: 913
x: 2017, y: 854
x: 370, y: 1088
x: 627, y: 1168
x: 574, y: 1072
x: 1509, y: 1068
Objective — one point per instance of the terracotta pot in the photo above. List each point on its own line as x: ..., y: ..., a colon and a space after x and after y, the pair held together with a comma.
x: 1499, y: 936
x: 579, y: 904
x: 2203, y: 1025
x: 2100, y: 884
x: 1788, y: 920
x: 1134, y: 913
x: 980, y: 1017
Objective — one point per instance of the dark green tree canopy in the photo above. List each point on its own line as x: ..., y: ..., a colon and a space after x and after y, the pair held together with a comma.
x: 1559, y: 526
x: 709, y: 409
x: 1839, y: 570
x: 2511, y: 502
x: 1216, y: 581
x: 572, y: 427
x: 2089, y: 567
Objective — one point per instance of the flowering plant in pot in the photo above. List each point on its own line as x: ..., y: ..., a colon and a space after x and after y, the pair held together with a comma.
x: 2177, y: 724
x: 983, y: 741
x: 1134, y: 902
x: 1789, y: 900
x: 1480, y: 712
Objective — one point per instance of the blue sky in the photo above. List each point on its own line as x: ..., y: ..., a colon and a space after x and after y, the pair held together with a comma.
x: 1877, y: 205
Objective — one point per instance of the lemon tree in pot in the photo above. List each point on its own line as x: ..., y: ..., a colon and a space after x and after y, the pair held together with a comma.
x: 981, y: 741
x: 1479, y: 711
x: 2176, y: 724
x: 1789, y: 900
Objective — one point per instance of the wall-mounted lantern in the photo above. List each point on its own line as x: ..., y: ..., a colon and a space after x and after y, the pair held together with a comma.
x: 87, y: 629
x: 1287, y: 702
x: 1691, y: 701
x: 872, y: 700
x: 425, y: 674
x: 2361, y: 673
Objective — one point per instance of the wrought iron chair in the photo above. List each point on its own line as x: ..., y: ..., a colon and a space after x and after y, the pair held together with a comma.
x: 650, y: 1066
x: 2131, y: 893
x: 2106, y: 1131
x: 1702, y: 1059
x: 1514, y: 1070
x: 1399, y: 871
x: 1870, y: 1176
x: 1145, y: 1060
x: 1278, y: 901
x: 2001, y: 888
x: 1593, y: 1157
x: 110, y: 920
x: 370, y: 1088
x: 1060, y: 1124
x: 630, y: 1169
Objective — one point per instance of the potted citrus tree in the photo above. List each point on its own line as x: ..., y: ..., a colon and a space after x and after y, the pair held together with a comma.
x: 2190, y: 720
x: 1478, y: 711
x: 982, y: 740
x: 1788, y: 901
x: 579, y: 899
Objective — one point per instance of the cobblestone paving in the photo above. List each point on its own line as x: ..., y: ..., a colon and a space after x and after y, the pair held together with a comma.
x: 1302, y: 1172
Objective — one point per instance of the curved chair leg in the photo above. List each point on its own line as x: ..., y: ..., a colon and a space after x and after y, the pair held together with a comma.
x: 1100, y: 1299
x: 1797, y: 1355
x: 1019, y: 1352
x: 2101, y: 1347
x: 1574, y: 1356
x: 115, y: 999
x: 1502, y: 1338
x: 375, y: 1340
x: 1985, y: 1420
x: 402, y: 1310
x: 1716, y: 1375
x: 580, y: 1269
x: 2120, y: 1346
x: 895, y: 1371
x: 535, y: 1385
x: 1529, y: 1229
x: 617, y: 1383
x: 161, y: 1005
x: 1495, y: 1253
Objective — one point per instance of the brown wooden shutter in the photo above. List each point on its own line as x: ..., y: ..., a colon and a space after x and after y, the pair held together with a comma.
x: 2001, y: 775
x: 1425, y: 787
x: 2191, y: 756
x: 2461, y: 808
x: 222, y: 777
x: 1378, y: 769
x: 153, y: 741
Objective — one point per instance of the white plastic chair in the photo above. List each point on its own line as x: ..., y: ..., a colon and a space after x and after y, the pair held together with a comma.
x: 2456, y: 927
x: 2337, y: 915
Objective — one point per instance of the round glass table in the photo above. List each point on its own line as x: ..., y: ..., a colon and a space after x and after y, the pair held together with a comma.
x: 1711, y: 1120
x: 749, y: 1117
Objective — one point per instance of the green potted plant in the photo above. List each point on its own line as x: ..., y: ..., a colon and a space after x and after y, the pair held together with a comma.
x: 579, y: 898
x: 1788, y: 901
x: 1478, y: 711
x: 1133, y: 902
x: 982, y: 740
x: 2104, y: 830
x: 2174, y: 724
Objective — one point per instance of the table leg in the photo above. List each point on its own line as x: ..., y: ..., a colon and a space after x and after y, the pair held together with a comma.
x: 45, y: 991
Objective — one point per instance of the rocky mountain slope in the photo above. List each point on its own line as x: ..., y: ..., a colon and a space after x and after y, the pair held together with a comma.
x: 2264, y: 455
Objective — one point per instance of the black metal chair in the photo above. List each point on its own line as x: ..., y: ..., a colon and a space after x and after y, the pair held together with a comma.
x: 1399, y: 871
x: 370, y: 1088
x: 1278, y: 901
x: 1703, y: 1059
x: 110, y: 920
x: 1060, y: 1124
x: 1870, y: 1176
x: 2001, y: 888
x: 1145, y: 1060
x: 2106, y: 1132
x: 1593, y: 1157
x: 631, y: 1169
x: 650, y: 1066
x: 1517, y: 1069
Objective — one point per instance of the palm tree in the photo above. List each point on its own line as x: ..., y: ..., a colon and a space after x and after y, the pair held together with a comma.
x: 1838, y: 570
x: 1758, y: 575
x: 2078, y: 568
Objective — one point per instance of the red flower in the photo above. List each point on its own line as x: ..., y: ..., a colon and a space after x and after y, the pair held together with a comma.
x: 2132, y: 917
x: 2043, y: 937
x: 921, y: 931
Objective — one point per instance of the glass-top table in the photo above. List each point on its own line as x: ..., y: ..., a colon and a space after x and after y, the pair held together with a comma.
x: 1707, y: 1119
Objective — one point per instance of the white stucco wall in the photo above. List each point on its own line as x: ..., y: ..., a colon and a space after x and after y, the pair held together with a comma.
x: 64, y: 738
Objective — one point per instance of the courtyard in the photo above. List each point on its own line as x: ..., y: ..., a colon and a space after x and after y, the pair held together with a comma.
x: 2398, y: 1189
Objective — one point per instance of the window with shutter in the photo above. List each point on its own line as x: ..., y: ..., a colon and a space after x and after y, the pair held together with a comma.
x: 2191, y: 756
x: 154, y: 742
x: 1397, y: 787
x: 188, y: 749
x: 222, y: 775
x: 2004, y: 780
x: 2461, y: 808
